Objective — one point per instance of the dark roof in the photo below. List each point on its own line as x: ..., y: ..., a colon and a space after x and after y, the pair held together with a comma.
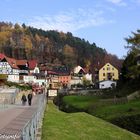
x: 22, y: 67
x: 61, y: 70
x: 52, y: 73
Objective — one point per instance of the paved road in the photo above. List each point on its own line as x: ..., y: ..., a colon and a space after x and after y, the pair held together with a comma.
x: 13, y: 120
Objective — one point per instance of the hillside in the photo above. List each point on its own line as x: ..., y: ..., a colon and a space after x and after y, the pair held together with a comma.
x: 58, y: 125
x: 56, y: 47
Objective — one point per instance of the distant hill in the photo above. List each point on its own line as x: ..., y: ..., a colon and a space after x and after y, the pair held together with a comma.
x: 25, y: 42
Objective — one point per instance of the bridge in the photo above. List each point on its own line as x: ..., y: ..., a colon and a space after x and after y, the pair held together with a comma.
x: 19, y: 122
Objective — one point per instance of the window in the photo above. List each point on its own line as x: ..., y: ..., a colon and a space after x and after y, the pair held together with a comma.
x: 108, y: 68
x: 103, y: 68
x: 103, y: 74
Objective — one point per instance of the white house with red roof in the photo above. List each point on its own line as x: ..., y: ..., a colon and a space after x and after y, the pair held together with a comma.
x: 8, y: 67
x: 33, y: 70
x: 79, y: 74
x: 21, y: 71
x: 18, y: 70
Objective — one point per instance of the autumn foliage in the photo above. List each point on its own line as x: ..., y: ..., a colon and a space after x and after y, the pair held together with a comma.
x: 25, y: 42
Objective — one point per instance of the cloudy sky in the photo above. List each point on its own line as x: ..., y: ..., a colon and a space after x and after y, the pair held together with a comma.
x: 105, y: 22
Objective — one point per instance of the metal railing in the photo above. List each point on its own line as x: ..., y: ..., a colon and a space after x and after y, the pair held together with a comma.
x: 30, y: 130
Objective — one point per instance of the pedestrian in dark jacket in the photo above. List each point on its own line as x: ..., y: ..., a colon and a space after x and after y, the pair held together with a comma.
x: 30, y: 99
x: 23, y: 99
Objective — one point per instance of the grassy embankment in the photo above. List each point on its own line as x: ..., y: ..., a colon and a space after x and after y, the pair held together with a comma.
x: 125, y: 115
x: 58, y: 125
x: 107, y: 112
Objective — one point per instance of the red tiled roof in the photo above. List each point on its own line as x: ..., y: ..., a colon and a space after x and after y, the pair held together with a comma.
x: 12, y: 62
x: 21, y: 62
x: 2, y: 56
x: 32, y: 64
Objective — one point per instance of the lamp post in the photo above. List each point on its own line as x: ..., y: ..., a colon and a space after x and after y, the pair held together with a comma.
x: 45, y: 75
x: 46, y: 91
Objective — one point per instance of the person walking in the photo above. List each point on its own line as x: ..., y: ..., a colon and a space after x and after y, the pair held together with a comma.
x: 30, y: 99
x: 23, y: 99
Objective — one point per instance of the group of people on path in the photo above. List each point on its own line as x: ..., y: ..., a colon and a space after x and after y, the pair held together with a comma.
x: 29, y: 98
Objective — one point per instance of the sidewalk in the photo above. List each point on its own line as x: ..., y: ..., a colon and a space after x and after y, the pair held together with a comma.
x: 14, y: 119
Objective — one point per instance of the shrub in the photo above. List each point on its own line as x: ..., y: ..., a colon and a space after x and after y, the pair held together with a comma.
x: 130, y: 123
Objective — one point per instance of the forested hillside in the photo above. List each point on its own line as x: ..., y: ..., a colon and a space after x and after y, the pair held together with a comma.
x: 24, y: 42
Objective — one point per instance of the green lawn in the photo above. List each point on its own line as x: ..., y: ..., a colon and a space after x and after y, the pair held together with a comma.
x: 58, y: 125
x: 106, y: 112
x: 80, y: 102
x: 114, y: 111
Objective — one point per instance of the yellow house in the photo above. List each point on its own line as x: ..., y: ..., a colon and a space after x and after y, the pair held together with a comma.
x: 108, y: 72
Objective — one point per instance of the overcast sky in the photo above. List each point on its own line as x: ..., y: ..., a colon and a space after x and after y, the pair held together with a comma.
x: 105, y: 22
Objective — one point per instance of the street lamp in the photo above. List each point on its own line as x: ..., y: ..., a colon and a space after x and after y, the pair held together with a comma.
x: 46, y: 91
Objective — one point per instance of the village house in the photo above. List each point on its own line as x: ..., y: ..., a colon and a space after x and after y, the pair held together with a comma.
x: 64, y: 76
x: 108, y: 75
x: 23, y: 69
x: 79, y: 74
x: 88, y: 75
x: 53, y: 80
x: 33, y: 76
x: 76, y: 76
x: 8, y: 67
x: 20, y: 71
x: 78, y: 71
x: 108, y: 72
